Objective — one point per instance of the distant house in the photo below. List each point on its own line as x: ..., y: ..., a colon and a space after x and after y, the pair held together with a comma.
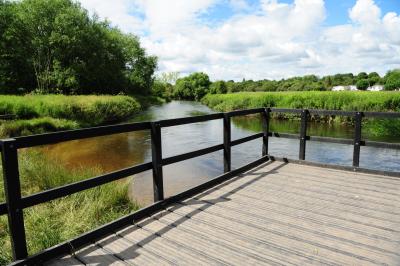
x: 345, y: 88
x: 375, y: 88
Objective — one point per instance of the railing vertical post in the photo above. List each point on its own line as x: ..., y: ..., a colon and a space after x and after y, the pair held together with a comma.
x: 156, y: 152
x: 303, y: 135
x: 227, y: 143
x: 357, y: 139
x: 12, y: 189
x: 265, y: 122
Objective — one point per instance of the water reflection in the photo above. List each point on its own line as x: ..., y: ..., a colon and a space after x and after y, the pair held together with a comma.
x: 123, y: 150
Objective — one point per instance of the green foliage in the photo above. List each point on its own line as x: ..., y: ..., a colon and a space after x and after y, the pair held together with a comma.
x: 46, y: 113
x: 345, y: 100
x: 218, y: 87
x: 362, y: 84
x: 35, y: 126
x: 54, y: 46
x: 392, y: 80
x: 59, y: 220
x: 192, y: 87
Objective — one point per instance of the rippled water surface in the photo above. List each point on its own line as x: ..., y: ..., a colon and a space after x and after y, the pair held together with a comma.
x: 117, y: 151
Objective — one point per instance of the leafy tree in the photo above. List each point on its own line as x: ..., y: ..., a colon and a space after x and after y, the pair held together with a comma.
x: 192, y: 87
x: 362, y: 84
x: 392, y: 80
x: 53, y: 45
x: 218, y: 87
x: 374, y: 78
x: 362, y: 75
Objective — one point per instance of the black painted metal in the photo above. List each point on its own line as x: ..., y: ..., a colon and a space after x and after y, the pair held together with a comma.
x: 3, y: 208
x: 246, y: 139
x: 156, y: 151
x: 246, y: 112
x: 16, y: 204
x: 190, y: 120
x: 12, y: 189
x: 227, y: 143
x: 357, y: 138
x: 265, y: 116
x: 190, y: 155
x: 69, y: 189
x: 50, y: 138
x: 303, y: 135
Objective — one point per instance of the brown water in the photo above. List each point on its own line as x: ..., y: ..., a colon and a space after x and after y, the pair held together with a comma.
x: 118, y: 151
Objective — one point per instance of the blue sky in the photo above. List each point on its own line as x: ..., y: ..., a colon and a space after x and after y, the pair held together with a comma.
x: 257, y: 39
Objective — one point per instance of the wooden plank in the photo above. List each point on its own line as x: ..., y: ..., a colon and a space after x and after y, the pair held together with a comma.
x: 65, y: 261
x: 165, y: 249
x: 95, y: 255
x: 337, y: 251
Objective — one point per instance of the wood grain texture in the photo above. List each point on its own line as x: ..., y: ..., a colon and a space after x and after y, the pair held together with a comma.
x: 276, y: 214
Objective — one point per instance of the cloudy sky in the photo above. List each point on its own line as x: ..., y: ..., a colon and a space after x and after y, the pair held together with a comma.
x: 257, y: 39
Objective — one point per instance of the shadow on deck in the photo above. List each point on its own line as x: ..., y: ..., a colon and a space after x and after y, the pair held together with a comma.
x: 276, y: 214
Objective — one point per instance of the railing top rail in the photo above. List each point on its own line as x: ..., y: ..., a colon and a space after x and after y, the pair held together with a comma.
x: 338, y: 112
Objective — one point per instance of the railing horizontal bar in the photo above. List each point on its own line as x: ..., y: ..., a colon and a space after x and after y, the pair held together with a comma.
x: 331, y: 112
x: 69, y: 189
x: 246, y: 112
x: 331, y: 140
x: 286, y: 110
x: 377, y: 144
x: 192, y: 154
x: 50, y: 138
x: 283, y: 135
x: 338, y: 167
x: 189, y: 120
x: 246, y: 139
x: 7, y: 117
x: 382, y: 114
x: 3, y: 208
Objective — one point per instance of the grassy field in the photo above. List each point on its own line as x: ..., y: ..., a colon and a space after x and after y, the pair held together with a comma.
x: 46, y: 113
x: 60, y: 220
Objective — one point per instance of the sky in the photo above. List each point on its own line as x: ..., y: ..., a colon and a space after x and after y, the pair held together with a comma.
x: 261, y: 39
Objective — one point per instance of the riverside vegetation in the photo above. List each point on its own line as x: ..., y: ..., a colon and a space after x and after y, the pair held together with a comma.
x: 347, y: 101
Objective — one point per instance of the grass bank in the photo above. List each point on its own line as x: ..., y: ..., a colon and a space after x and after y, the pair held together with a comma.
x: 46, y: 113
x: 344, y: 100
x: 51, y: 223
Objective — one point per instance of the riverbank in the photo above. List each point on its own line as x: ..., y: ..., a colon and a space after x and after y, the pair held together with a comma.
x: 344, y: 100
x: 59, y: 220
x: 48, y: 113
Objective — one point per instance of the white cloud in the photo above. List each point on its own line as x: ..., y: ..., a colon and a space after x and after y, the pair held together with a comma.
x: 275, y: 40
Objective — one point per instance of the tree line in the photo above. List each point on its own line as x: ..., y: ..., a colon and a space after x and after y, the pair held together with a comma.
x: 54, y: 46
x: 196, y: 85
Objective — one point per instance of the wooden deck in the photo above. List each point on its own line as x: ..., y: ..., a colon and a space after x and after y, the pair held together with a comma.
x: 276, y: 214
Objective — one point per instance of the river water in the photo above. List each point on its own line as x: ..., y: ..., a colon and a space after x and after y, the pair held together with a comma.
x: 118, y: 151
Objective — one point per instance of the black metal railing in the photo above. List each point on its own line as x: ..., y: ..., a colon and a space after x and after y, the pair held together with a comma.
x: 15, y: 203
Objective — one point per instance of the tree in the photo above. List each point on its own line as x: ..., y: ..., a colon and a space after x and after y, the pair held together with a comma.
x: 53, y: 45
x: 362, y: 75
x: 374, y: 78
x: 218, y: 87
x: 192, y: 87
x: 362, y: 84
x: 392, y: 80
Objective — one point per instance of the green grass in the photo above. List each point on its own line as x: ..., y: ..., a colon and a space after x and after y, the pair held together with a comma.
x: 46, y: 113
x: 343, y: 100
x: 351, y: 101
x: 51, y: 223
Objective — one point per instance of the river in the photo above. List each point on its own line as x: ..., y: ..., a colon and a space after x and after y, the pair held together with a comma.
x: 122, y: 150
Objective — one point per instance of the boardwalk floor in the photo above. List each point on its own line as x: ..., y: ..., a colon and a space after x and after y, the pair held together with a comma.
x: 276, y: 214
